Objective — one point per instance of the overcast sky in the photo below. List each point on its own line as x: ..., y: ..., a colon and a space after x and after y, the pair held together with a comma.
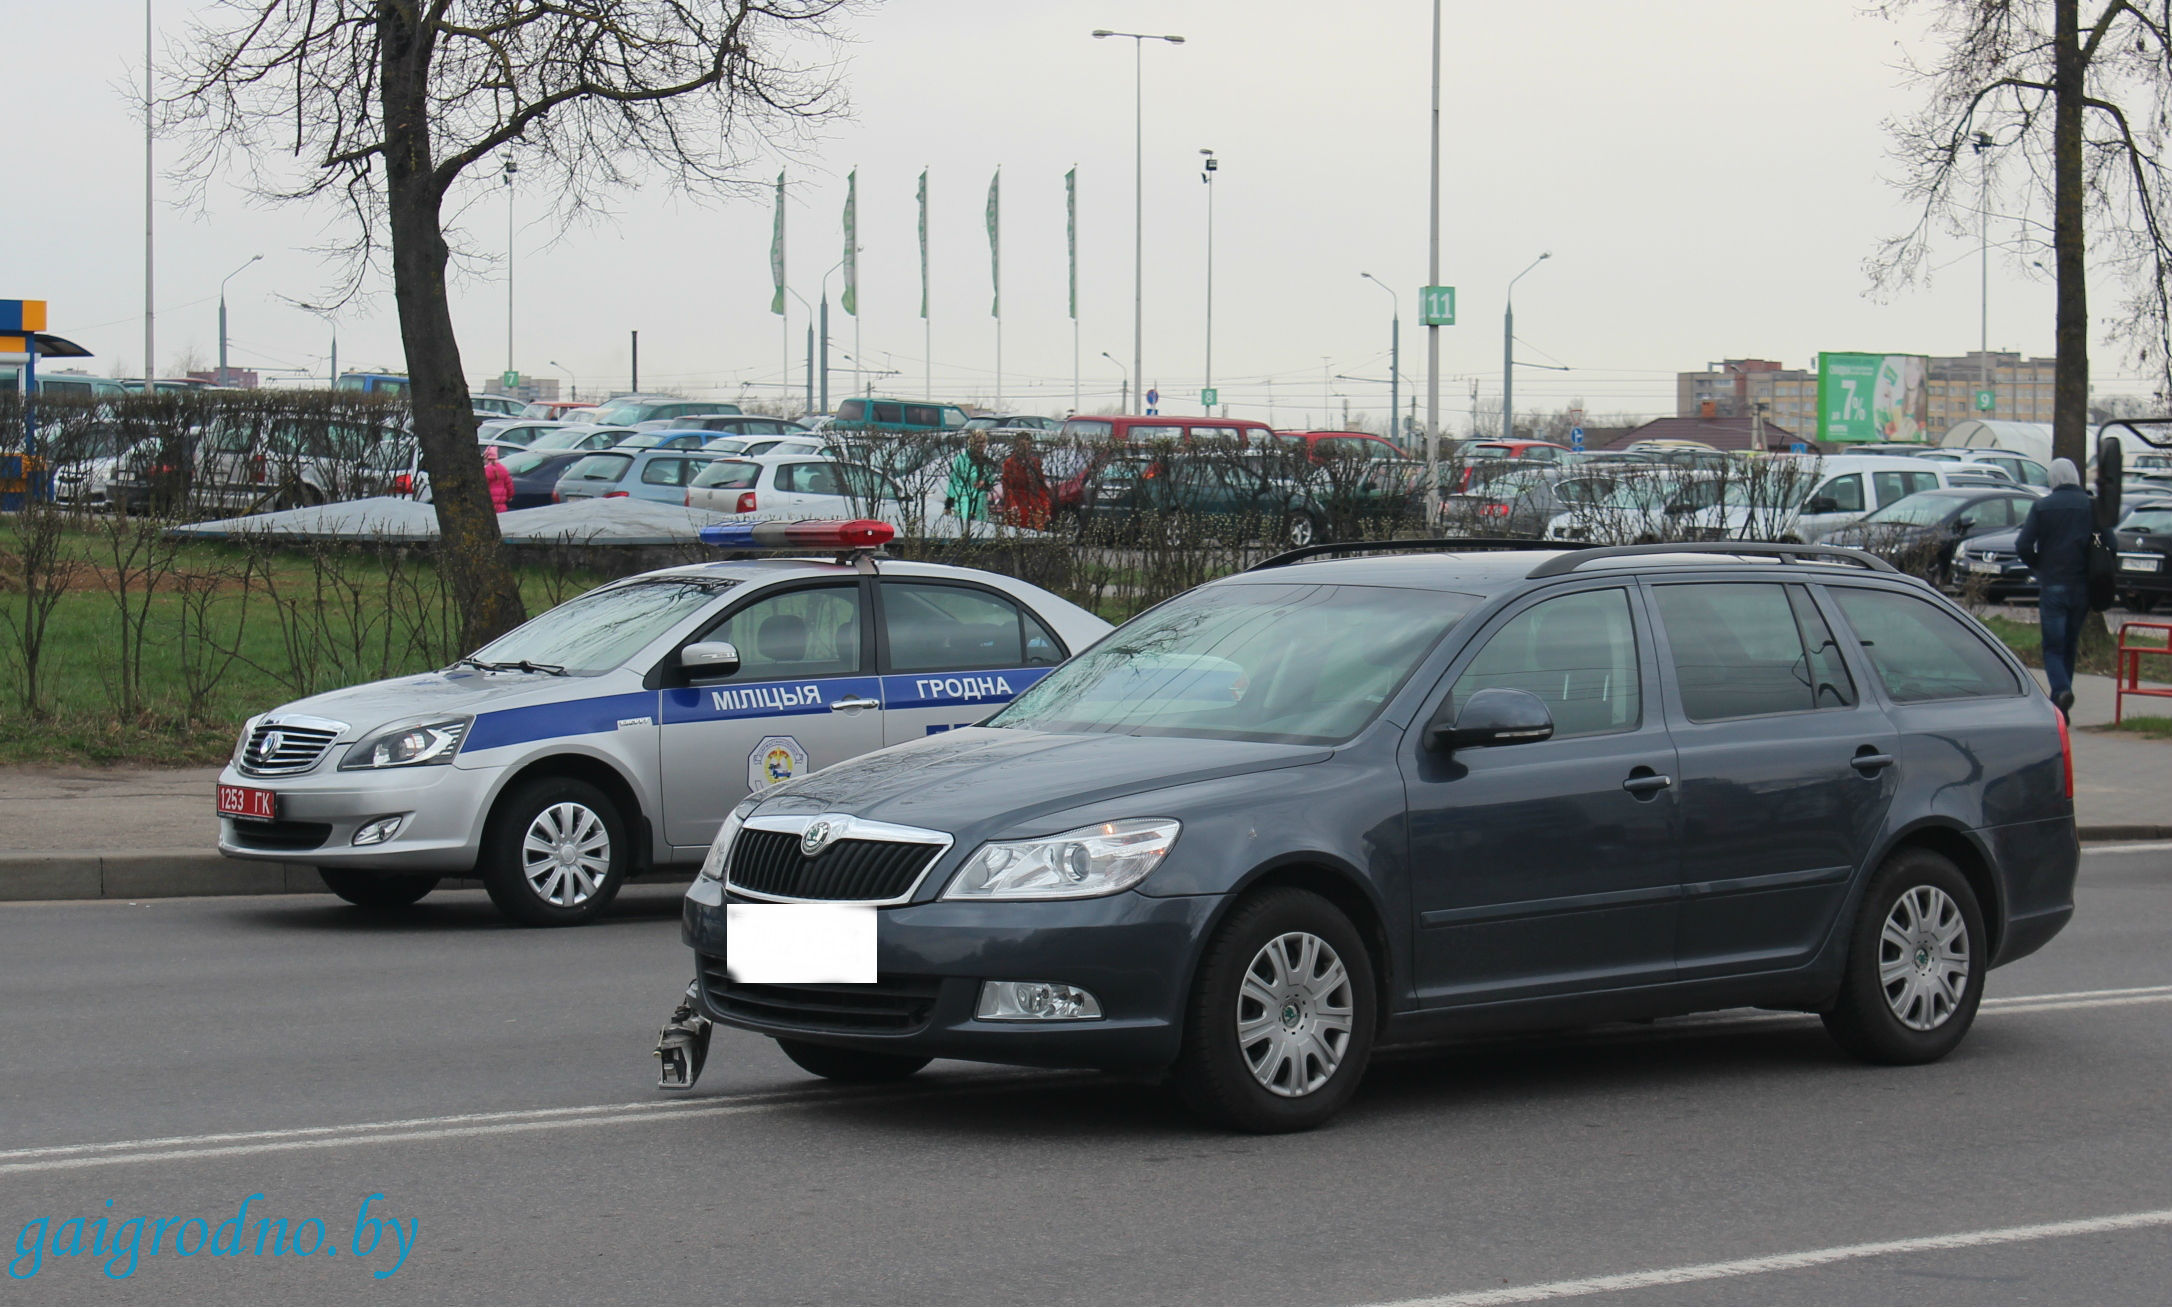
x: 1708, y: 175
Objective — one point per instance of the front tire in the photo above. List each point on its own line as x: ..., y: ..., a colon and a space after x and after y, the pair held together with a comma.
x: 367, y: 890
x: 1916, y: 963
x: 1301, y: 530
x: 556, y: 853
x: 1280, y: 1023
x: 854, y: 1065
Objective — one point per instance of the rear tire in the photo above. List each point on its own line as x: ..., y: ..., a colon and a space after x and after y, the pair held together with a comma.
x: 1916, y: 961
x: 555, y: 853
x: 368, y: 890
x: 1301, y: 530
x: 1280, y: 1022
x: 855, y: 1065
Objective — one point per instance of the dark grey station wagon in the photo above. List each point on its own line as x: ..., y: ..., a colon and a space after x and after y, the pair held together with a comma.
x: 1352, y: 798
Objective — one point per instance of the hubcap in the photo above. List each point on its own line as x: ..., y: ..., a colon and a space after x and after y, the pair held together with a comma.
x: 1294, y: 1014
x: 1923, y: 961
x: 566, y: 854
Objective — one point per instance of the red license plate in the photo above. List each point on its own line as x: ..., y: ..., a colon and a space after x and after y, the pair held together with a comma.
x: 248, y: 802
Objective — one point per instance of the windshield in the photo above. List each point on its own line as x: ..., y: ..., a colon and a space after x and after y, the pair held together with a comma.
x: 1917, y: 510
x: 602, y: 629
x: 565, y: 438
x: 1247, y: 661
x: 2154, y: 522
x: 621, y: 414
x: 528, y: 461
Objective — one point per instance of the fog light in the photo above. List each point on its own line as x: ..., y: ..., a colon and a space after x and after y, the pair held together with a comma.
x: 1034, y: 1001
x: 379, y: 831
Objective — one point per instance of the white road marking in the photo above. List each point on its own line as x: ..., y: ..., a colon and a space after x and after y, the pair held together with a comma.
x: 1788, y: 1262
x: 229, y: 1144
x: 2149, y: 847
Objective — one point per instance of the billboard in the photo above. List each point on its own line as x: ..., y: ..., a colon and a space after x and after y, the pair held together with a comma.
x: 1874, y: 397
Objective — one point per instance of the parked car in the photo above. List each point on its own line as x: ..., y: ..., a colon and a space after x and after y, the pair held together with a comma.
x: 1232, y: 847
x: 1210, y: 486
x: 626, y: 410
x: 496, y: 406
x: 1541, y: 451
x: 1077, y: 449
x: 734, y: 424
x: 612, y: 735
x: 555, y: 410
x: 579, y: 436
x: 1991, y: 566
x: 2144, y: 536
x: 249, y: 466
x: 664, y: 439
x: 793, y: 486
x: 1010, y: 422
x: 751, y: 445
x: 1522, y: 501
x: 536, y: 473
x: 869, y: 413
x: 514, y: 431
x: 1922, y: 532
x: 660, y: 475
x: 1343, y: 445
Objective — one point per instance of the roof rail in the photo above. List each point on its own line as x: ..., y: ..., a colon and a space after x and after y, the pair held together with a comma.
x: 1300, y: 554
x: 1568, y: 563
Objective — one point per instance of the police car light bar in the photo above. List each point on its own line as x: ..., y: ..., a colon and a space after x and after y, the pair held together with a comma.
x: 812, y: 533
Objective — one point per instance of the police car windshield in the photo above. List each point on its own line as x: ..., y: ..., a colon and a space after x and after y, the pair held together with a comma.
x: 602, y: 629
x: 1247, y: 661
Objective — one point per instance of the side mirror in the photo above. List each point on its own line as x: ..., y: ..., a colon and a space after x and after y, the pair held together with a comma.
x: 1961, y: 525
x: 1496, y: 715
x: 709, y: 658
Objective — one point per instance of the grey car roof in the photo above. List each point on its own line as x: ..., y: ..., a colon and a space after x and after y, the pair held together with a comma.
x: 1492, y: 571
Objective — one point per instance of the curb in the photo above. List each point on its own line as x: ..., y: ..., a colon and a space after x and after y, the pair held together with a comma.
x: 165, y: 874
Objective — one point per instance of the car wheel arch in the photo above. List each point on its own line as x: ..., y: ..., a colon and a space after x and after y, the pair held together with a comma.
x: 1341, y: 885
x: 1964, y: 849
x: 596, y: 772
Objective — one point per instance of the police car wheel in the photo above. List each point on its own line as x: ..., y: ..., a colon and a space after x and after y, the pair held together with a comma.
x: 1280, y: 1024
x: 556, y: 853
x: 850, y: 1064
x: 369, y: 890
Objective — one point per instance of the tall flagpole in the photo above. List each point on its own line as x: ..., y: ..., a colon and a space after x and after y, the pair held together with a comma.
x: 927, y: 331
x: 995, y: 272
x: 776, y: 298
x: 1070, y: 231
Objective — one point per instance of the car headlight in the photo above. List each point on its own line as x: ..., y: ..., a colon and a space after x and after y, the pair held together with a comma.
x: 712, y: 866
x: 1097, y: 860
x: 409, y: 744
x: 242, y: 744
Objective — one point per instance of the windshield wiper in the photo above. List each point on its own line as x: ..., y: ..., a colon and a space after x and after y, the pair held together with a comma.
x: 522, y: 665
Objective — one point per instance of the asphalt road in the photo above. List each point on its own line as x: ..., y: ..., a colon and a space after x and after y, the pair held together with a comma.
x: 493, y: 1085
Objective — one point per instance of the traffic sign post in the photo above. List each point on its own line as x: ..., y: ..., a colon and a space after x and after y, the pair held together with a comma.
x: 1153, y: 400
x: 1210, y: 397
x: 1576, y: 439
x: 1986, y: 401
x: 509, y: 380
x: 1437, y: 306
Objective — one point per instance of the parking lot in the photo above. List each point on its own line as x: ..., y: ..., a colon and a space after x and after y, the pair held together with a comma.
x: 494, y: 1086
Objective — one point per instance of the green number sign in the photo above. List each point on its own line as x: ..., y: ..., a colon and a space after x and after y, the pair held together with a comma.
x: 509, y: 380
x: 1437, y: 306
x: 1986, y: 401
x: 1210, y: 397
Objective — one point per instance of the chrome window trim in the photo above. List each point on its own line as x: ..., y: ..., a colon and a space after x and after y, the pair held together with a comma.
x: 844, y: 827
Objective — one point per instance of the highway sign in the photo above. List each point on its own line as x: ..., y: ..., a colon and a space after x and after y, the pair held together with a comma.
x: 1437, y: 306
x: 509, y: 380
x: 1986, y: 401
x: 1210, y: 397
x: 1576, y: 439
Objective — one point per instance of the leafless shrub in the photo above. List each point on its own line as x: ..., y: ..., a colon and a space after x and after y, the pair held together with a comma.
x: 38, y: 573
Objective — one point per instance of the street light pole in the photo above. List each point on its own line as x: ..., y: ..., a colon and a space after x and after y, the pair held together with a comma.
x: 1206, y: 174
x: 512, y: 167
x: 571, y: 385
x: 1508, y: 351
x: 1432, y: 278
x: 1983, y: 227
x: 150, y: 105
x: 1138, y: 192
x: 222, y: 313
x: 332, y: 376
x: 1127, y: 377
x: 826, y: 339
x: 1395, y: 351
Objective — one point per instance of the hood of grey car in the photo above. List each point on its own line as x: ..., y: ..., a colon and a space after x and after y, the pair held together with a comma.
x: 986, y: 778
x: 462, y: 690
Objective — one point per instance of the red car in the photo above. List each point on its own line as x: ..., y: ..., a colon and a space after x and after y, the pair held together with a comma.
x: 1542, y: 451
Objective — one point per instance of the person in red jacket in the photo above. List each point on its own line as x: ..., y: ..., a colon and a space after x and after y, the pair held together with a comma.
x: 499, y: 477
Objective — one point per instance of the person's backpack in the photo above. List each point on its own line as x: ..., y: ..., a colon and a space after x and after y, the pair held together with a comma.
x: 2103, y: 572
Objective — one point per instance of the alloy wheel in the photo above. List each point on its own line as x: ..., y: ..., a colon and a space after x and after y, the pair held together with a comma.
x: 566, y: 854
x: 1294, y: 1014
x: 1923, y: 958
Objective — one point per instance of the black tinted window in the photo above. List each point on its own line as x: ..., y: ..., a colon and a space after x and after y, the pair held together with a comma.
x: 1578, y: 653
x: 852, y: 411
x: 888, y: 412
x: 1737, y: 650
x: 934, y: 628
x: 1921, y: 651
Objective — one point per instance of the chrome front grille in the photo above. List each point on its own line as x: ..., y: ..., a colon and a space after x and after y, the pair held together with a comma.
x: 830, y: 858
x: 282, y: 746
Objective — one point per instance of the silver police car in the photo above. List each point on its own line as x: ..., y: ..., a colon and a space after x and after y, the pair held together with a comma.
x: 614, y: 733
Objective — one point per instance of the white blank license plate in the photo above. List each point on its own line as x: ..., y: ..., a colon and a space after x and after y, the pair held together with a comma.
x: 2138, y: 562
x: 800, y: 944
x: 1992, y: 569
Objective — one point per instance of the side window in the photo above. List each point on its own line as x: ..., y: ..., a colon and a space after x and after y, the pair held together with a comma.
x: 952, y: 628
x: 1920, y: 651
x: 923, y: 415
x: 1891, y: 486
x: 1921, y: 481
x: 1845, y: 492
x: 800, y: 633
x: 889, y: 411
x: 665, y: 472
x: 852, y: 411
x: 1738, y: 652
x: 1577, y: 652
x: 1830, y: 684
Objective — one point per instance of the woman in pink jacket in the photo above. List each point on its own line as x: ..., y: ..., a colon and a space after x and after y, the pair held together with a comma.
x: 499, y: 477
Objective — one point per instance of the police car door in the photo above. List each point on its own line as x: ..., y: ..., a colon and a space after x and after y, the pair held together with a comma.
x: 803, y: 698
x: 953, y: 654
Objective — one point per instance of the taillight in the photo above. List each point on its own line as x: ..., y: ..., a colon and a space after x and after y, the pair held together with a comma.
x: 1493, y: 510
x: 2066, y: 755
x: 746, y: 502
x: 556, y: 498
x: 616, y: 495
x: 687, y: 499
x: 402, y: 484
x: 256, y: 466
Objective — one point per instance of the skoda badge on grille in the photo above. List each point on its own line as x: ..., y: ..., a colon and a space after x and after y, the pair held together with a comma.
x: 817, y: 837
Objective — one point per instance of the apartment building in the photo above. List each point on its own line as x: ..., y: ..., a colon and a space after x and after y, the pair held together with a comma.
x: 2020, y: 388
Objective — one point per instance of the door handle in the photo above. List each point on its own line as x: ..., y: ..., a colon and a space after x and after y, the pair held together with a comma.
x: 1868, y: 759
x: 1644, y: 783
x: 852, y: 703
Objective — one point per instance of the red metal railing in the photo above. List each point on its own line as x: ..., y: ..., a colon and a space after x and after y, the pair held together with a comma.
x: 2130, y: 665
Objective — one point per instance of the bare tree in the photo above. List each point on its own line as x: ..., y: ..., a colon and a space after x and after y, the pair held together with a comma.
x: 385, y: 108
x: 2075, y: 111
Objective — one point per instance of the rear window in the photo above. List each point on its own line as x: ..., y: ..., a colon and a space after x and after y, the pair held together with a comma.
x: 1920, y: 651
x: 599, y: 467
x: 732, y: 474
x: 1080, y: 429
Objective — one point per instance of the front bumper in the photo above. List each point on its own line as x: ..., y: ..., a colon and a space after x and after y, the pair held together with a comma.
x: 320, y: 811
x: 1133, y: 952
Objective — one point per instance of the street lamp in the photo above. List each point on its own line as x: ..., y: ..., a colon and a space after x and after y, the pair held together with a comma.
x: 332, y: 368
x: 222, y: 313
x: 1508, y: 351
x: 1208, y: 167
x: 1138, y: 192
x: 826, y: 335
x: 512, y: 169
x: 1983, y: 230
x: 570, y: 386
x: 809, y: 406
x: 1395, y: 352
x: 1127, y: 377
